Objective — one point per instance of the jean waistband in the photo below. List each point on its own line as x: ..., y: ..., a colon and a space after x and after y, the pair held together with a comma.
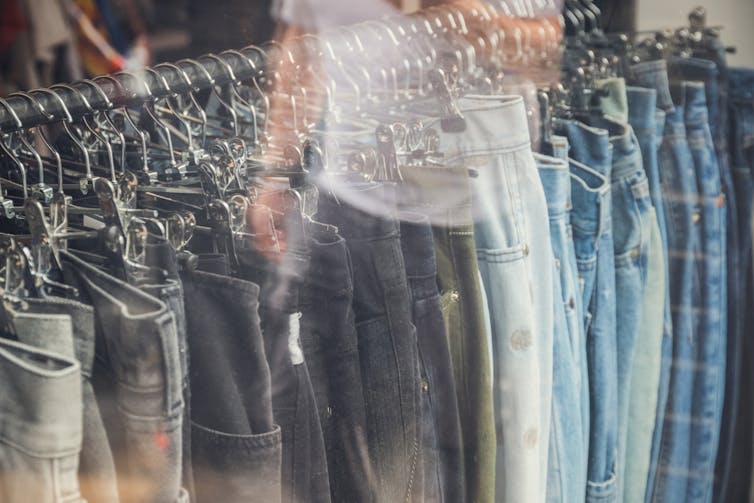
x: 553, y: 173
x: 654, y: 75
x: 493, y: 124
x: 329, y: 267
x: 441, y: 193
x: 559, y: 146
x: 642, y: 106
x: 418, y: 245
x: 590, y: 193
x: 82, y: 321
x: 587, y: 144
x: 40, y: 400
x: 361, y: 211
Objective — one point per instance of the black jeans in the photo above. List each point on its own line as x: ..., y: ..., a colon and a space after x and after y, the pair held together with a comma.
x: 137, y: 382
x: 304, y: 469
x: 235, y: 444
x: 328, y: 337
x: 442, y: 448
x: 386, y: 338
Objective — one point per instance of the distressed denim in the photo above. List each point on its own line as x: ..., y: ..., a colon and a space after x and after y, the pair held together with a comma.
x: 710, y: 343
x: 569, y: 431
x: 591, y: 168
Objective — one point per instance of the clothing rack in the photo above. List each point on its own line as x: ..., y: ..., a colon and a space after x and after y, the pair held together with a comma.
x: 131, y: 89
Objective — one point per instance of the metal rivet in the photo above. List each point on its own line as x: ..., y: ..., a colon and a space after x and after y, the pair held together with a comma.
x: 572, y: 303
x: 696, y: 217
x: 329, y: 411
x: 557, y: 263
x: 635, y: 253
x: 454, y: 295
x: 425, y: 387
x: 526, y: 250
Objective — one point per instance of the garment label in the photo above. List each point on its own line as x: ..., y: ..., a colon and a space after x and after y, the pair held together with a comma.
x: 294, y: 339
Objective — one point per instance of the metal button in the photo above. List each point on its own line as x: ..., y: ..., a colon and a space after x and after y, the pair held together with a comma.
x: 454, y: 295
x: 521, y: 340
x: 696, y: 217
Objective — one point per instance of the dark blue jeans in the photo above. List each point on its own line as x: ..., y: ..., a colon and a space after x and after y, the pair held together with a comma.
x: 734, y: 464
x: 328, y: 338
x: 442, y: 453
x: 387, y: 338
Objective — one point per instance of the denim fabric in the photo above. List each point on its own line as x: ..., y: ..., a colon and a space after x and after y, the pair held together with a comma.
x: 328, y: 338
x: 710, y: 343
x: 593, y: 236
x: 137, y: 382
x: 734, y: 465
x: 631, y: 204
x: 387, y: 339
x: 160, y: 254
x: 294, y: 409
x: 97, y: 478
x: 647, y: 376
x: 463, y: 308
x: 569, y: 434
x: 593, y: 242
x: 514, y: 252
x: 236, y: 448
x: 670, y: 476
x: 441, y: 424
x: 42, y: 419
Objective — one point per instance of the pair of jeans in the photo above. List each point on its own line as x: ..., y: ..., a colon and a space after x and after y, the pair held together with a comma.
x: 655, y: 326
x: 710, y: 343
x: 386, y: 337
x: 440, y: 428
x: 443, y: 193
x: 328, y: 339
x: 97, y: 478
x: 137, y: 383
x: 670, y: 477
x: 591, y: 154
x: 294, y: 409
x: 42, y: 417
x: 631, y: 226
x: 569, y: 433
x: 734, y: 465
x: 236, y: 447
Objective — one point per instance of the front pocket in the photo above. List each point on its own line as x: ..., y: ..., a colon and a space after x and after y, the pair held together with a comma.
x: 236, y: 467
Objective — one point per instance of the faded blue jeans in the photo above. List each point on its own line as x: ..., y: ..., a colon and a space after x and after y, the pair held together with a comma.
x: 591, y: 219
x: 569, y: 431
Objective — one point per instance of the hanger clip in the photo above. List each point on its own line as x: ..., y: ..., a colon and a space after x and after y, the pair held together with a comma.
x: 452, y: 120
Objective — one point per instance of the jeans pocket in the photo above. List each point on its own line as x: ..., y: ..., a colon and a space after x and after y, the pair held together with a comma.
x: 236, y: 468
